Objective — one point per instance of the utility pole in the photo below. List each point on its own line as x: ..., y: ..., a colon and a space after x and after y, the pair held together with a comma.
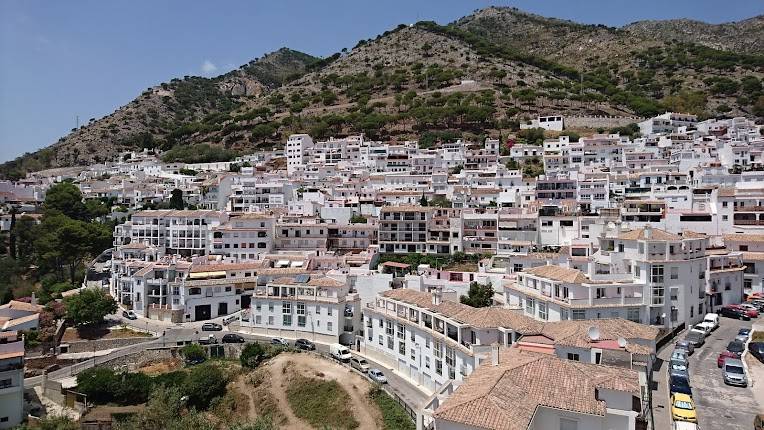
x: 77, y: 121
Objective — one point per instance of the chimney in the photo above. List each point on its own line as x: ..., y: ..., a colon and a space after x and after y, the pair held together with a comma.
x: 495, y: 354
x: 34, y: 299
x: 437, y: 296
x: 648, y: 232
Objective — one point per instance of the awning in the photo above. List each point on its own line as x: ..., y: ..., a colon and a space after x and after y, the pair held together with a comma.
x: 205, y: 275
x: 297, y: 264
x: 396, y: 265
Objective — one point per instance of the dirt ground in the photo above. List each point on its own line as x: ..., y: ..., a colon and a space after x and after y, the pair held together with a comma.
x: 101, y: 332
x: 158, y: 367
x: 272, y: 379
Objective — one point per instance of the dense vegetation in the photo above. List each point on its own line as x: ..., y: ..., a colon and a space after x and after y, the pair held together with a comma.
x: 321, y: 403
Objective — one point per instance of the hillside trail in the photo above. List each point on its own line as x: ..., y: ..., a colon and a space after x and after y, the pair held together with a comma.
x: 309, y: 365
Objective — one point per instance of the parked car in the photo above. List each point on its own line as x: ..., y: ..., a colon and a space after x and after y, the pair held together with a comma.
x: 679, y: 356
x: 212, y: 327
x: 743, y: 334
x: 233, y: 338
x: 376, y: 375
x: 713, y: 319
x: 752, y: 310
x: 750, y: 313
x: 757, y: 350
x: 683, y: 408
x: 129, y: 315
x: 736, y: 347
x: 696, y: 337
x: 732, y: 312
x: 359, y: 364
x: 339, y: 352
x: 705, y: 327
x: 194, y: 361
x: 679, y: 369
x: 304, y: 344
x: 279, y: 341
x: 209, y: 340
x: 734, y: 373
x: 684, y: 345
x: 723, y: 356
x: 679, y: 384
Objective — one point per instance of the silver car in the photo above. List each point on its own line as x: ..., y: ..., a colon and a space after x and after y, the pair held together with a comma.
x: 734, y: 373
x: 377, y: 376
x: 680, y: 356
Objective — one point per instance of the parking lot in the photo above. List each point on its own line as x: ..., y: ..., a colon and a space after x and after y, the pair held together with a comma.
x: 719, y: 406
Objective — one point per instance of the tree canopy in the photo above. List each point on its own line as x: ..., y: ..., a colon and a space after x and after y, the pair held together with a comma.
x: 89, y: 306
x: 479, y: 295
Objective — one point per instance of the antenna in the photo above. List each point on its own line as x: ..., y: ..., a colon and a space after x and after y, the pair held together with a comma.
x: 594, y: 333
x: 622, y: 342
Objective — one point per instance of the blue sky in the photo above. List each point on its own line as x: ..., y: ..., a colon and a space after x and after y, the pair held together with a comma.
x: 63, y: 59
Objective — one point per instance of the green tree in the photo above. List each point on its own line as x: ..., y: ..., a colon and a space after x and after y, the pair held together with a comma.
x: 479, y: 295
x: 357, y: 219
x: 176, y: 199
x: 89, y: 306
x: 98, y: 383
x: 253, y: 354
x: 203, y: 384
x: 96, y: 209
x: 423, y: 201
x: 193, y: 352
x: 65, y: 198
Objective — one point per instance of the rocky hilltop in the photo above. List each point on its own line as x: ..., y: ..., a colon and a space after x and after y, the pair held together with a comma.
x: 481, y: 74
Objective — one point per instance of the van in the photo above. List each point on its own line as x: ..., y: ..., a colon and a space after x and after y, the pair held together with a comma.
x: 359, y: 364
x: 339, y: 352
x: 712, y: 319
x: 684, y: 425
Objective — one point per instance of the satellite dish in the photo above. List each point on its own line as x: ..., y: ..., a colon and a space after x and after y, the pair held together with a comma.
x: 622, y: 342
x: 594, y: 333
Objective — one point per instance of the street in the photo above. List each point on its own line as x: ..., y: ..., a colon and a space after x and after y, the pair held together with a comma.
x: 719, y: 406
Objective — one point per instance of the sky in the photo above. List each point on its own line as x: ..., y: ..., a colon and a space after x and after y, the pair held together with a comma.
x: 60, y: 60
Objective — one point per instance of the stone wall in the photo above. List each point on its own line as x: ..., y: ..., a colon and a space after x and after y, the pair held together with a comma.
x: 600, y: 121
x: 101, y: 344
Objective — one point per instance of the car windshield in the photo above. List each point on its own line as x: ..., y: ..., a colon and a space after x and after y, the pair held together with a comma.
x: 734, y: 369
x: 744, y: 331
x: 678, y: 366
x: 683, y: 404
x: 735, y: 347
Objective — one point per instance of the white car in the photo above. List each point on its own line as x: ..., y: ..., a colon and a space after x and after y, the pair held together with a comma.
x: 713, y: 319
x: 705, y: 327
x: 376, y: 375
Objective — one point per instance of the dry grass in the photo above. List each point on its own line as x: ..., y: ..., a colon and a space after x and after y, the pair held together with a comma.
x: 99, y: 332
x: 321, y: 403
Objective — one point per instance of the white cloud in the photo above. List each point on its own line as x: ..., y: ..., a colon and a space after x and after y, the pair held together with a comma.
x: 208, y: 67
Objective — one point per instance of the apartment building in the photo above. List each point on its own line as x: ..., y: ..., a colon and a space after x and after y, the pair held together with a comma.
x: 245, y: 237
x: 11, y: 379
x: 309, y: 306
x: 183, y: 232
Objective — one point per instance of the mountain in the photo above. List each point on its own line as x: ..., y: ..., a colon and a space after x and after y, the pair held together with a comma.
x: 481, y: 74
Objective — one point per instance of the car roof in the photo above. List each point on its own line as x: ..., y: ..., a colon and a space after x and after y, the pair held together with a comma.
x: 682, y: 396
x: 733, y: 362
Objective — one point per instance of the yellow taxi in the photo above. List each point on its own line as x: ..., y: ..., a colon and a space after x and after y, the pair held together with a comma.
x: 683, y: 408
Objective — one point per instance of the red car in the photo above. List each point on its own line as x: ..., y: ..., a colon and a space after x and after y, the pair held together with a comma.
x: 750, y: 312
x: 725, y: 355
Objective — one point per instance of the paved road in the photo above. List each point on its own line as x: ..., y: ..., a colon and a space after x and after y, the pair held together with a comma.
x: 719, y: 406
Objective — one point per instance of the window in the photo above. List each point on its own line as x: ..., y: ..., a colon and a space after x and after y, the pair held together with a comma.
x: 380, y: 339
x: 413, y: 354
x: 401, y: 331
x: 564, y: 314
x: 258, y: 319
x: 573, y: 357
x: 427, y: 362
x: 389, y: 343
x: 329, y: 325
x: 287, y: 320
x: 389, y: 329
x: 270, y: 306
x: 632, y: 314
x: 438, y: 367
x: 450, y: 357
x: 402, y: 348
x: 530, y: 306
x: 674, y: 273
x: 637, y: 271
x: 412, y: 336
x: 270, y: 320
x: 286, y: 308
x: 542, y: 311
x: 656, y: 274
x: 578, y: 314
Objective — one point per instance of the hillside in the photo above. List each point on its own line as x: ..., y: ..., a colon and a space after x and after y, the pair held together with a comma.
x: 408, y: 83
